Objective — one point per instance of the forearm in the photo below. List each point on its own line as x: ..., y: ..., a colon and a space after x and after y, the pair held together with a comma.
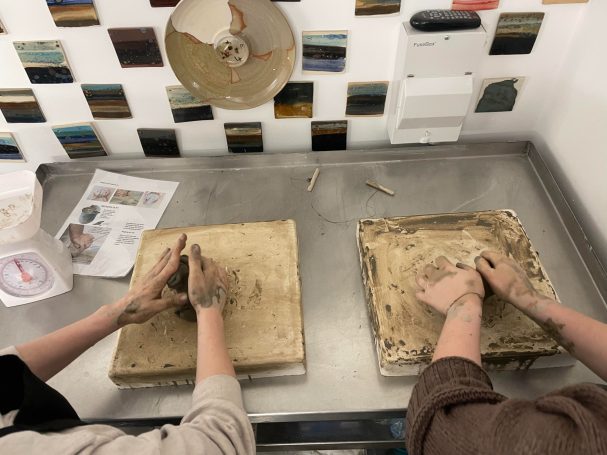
x: 212, y: 356
x: 461, y: 332
x: 584, y: 337
x: 48, y: 355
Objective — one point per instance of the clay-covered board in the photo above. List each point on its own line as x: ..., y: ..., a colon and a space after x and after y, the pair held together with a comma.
x: 263, y: 317
x: 393, y: 250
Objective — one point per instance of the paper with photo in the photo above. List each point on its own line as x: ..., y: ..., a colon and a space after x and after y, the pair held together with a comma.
x: 104, y: 229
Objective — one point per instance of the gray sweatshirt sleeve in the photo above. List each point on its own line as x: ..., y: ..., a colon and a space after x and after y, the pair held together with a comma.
x: 215, y: 424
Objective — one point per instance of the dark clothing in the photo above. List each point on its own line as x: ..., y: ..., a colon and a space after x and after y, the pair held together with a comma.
x: 41, y: 408
x: 454, y: 410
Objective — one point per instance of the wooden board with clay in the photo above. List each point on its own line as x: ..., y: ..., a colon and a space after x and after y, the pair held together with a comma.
x: 263, y: 317
x: 393, y: 250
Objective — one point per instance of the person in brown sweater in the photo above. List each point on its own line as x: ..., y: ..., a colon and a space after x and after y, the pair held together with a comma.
x: 453, y: 408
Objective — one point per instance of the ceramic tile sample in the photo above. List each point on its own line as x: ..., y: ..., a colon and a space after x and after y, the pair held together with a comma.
x: 325, y: 51
x: 161, y: 3
x: 136, y: 47
x: 474, y: 5
x: 20, y: 106
x: 331, y: 135
x: 516, y: 33
x: 106, y: 101
x: 366, y: 98
x: 158, y: 142
x: 73, y: 13
x: 9, y: 150
x: 376, y: 7
x: 244, y: 137
x: 499, y: 95
x: 44, y: 62
x: 394, y: 250
x: 295, y: 100
x: 186, y: 107
x: 79, y: 140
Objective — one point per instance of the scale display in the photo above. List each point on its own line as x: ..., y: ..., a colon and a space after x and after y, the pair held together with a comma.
x: 25, y: 275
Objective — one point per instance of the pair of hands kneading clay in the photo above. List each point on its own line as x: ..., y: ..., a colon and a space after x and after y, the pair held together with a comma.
x: 443, y: 284
x: 189, y: 284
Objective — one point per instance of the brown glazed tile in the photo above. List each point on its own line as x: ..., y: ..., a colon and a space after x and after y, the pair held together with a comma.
x: 136, y: 47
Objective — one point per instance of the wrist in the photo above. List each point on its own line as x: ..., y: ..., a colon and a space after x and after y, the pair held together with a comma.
x: 210, y: 314
x: 523, y: 298
x: 104, y: 320
x: 470, y: 303
x: 107, y: 316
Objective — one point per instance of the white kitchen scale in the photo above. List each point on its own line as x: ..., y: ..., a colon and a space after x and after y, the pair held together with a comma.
x: 33, y: 265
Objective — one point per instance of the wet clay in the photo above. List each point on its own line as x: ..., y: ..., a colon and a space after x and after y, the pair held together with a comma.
x: 394, y: 250
x: 262, y: 318
x: 177, y: 284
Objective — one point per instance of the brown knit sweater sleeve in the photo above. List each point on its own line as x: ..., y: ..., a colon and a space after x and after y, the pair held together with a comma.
x: 454, y: 410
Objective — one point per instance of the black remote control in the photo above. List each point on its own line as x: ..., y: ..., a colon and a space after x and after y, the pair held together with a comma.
x: 437, y: 20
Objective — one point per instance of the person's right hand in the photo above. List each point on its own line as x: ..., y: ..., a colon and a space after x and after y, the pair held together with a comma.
x: 207, y: 282
x: 506, y: 278
x: 442, y: 285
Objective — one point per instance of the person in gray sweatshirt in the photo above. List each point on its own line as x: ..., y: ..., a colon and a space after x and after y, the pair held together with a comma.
x: 34, y: 418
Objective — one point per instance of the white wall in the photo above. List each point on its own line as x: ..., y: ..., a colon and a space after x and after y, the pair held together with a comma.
x: 370, y: 57
x: 572, y: 129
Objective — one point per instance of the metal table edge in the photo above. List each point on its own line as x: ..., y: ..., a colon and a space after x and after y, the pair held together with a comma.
x: 571, y: 220
x: 261, y: 160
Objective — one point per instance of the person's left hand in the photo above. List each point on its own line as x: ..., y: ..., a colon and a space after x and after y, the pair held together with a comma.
x: 441, y: 285
x: 144, y: 300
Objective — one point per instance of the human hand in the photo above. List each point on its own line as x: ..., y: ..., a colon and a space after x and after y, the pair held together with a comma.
x: 144, y: 300
x: 506, y: 278
x: 207, y: 282
x: 79, y: 243
x: 441, y: 285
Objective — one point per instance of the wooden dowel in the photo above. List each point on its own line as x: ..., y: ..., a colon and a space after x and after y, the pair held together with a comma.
x: 379, y: 187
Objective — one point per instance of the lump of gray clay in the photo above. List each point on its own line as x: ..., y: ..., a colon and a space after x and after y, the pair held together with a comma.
x: 178, y: 282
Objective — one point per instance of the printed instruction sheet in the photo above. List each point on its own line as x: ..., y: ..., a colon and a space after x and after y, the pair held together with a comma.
x: 104, y: 229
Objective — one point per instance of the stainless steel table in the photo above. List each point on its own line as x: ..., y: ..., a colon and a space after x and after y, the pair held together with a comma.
x: 342, y: 377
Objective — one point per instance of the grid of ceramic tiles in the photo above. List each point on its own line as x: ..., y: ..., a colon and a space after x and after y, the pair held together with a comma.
x: 322, y: 53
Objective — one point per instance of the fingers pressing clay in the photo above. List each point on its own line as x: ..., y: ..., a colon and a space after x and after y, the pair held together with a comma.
x: 461, y: 265
x: 491, y: 256
x: 207, y: 263
x: 420, y: 281
x: 442, y: 262
x: 195, y: 263
x: 164, y: 254
x: 420, y: 295
x: 162, y: 261
x: 482, y: 265
x: 429, y: 269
